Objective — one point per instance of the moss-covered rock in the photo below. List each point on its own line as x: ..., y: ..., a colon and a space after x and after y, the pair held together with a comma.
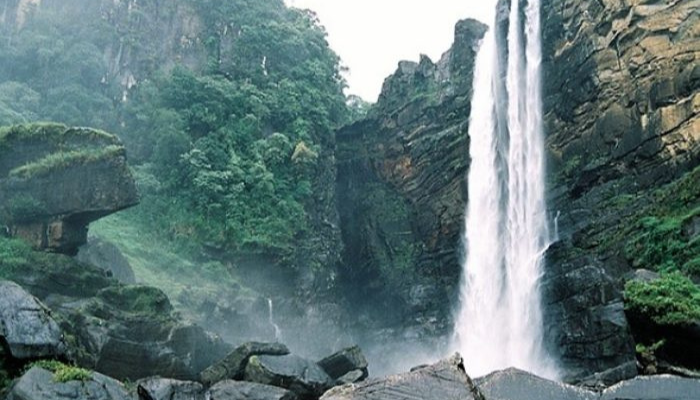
x: 55, y: 180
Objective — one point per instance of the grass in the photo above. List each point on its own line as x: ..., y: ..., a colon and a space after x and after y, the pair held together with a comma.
x: 164, y: 264
x: 62, y: 372
x: 63, y: 159
x: 50, y: 131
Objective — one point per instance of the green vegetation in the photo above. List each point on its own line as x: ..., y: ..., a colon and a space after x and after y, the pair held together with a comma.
x: 62, y: 160
x: 229, y: 151
x: 51, y: 133
x: 671, y: 300
x: 173, y: 267
x: 63, y: 373
x: 143, y: 300
x: 21, y: 207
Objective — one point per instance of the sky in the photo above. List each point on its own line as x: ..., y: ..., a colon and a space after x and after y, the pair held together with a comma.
x: 372, y: 36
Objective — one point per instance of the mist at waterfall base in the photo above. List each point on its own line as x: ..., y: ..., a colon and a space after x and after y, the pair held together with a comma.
x: 499, y: 323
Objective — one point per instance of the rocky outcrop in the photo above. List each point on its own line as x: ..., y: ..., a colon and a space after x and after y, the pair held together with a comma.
x: 108, y: 257
x: 55, y: 180
x: 27, y: 329
x: 401, y: 195
x: 513, y: 384
x: 39, y: 384
x: 169, y: 389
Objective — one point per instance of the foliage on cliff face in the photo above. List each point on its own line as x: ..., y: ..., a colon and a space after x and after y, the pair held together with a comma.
x: 671, y: 300
x: 215, y: 143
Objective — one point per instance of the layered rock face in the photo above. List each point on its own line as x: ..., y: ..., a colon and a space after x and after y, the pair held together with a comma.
x: 55, y: 180
x: 622, y: 103
x: 401, y: 193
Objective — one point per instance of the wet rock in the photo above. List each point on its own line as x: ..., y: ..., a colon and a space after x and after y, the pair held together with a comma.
x: 444, y: 380
x: 513, y: 384
x: 301, y: 376
x: 169, y: 389
x: 344, y: 362
x: 234, y: 390
x: 26, y: 325
x: 106, y: 256
x: 354, y: 376
x: 661, y: 387
x: 233, y: 366
x: 39, y: 384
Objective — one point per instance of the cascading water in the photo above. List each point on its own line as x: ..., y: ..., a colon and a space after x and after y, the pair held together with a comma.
x: 499, y: 324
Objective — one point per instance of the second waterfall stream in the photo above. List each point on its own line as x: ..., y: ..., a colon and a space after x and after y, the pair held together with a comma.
x: 499, y: 322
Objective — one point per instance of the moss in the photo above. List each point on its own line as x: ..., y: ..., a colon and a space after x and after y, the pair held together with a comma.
x: 23, y: 207
x: 144, y: 300
x: 49, y: 131
x: 671, y: 300
x: 63, y: 372
x: 62, y: 160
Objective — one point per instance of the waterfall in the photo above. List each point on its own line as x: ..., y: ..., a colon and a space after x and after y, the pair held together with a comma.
x: 499, y: 324
x: 271, y: 320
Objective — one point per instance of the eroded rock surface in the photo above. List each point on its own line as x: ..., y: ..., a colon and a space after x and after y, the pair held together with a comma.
x: 301, y: 376
x: 39, y: 384
x: 233, y: 365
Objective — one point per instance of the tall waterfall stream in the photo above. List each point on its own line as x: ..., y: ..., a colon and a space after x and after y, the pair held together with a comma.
x: 499, y: 323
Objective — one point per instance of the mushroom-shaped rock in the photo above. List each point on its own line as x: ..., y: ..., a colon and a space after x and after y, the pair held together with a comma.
x: 233, y: 366
x: 40, y: 384
x: 236, y: 390
x: 301, y: 376
x: 26, y: 325
x: 444, y: 380
x: 55, y: 180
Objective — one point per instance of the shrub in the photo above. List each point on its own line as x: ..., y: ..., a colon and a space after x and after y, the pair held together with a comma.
x: 63, y: 372
x: 671, y: 300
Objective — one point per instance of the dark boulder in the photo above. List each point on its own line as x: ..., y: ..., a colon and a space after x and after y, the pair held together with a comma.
x: 233, y: 366
x: 660, y: 387
x: 301, y: 376
x: 442, y: 381
x: 344, y: 362
x: 513, y: 384
x: 234, y: 390
x: 26, y: 325
x: 169, y: 389
x: 39, y: 384
x: 106, y: 256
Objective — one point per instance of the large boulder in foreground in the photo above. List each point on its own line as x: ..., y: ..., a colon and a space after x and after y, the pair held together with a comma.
x: 169, y: 389
x: 55, y: 180
x: 659, y: 387
x: 444, y: 380
x: 513, y: 384
x: 26, y: 325
x: 39, y: 384
x: 233, y: 366
x: 234, y: 390
x: 301, y: 376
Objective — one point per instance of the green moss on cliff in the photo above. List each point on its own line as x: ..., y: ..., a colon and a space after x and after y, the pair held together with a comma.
x: 63, y: 372
x: 61, y: 160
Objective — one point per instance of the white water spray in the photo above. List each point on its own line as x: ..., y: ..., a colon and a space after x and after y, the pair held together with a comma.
x: 271, y: 320
x: 500, y: 323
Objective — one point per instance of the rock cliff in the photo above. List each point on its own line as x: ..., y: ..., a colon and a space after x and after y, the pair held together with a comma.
x: 622, y: 97
x: 401, y: 192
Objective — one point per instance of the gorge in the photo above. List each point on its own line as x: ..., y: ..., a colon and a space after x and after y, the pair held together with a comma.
x: 562, y: 175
